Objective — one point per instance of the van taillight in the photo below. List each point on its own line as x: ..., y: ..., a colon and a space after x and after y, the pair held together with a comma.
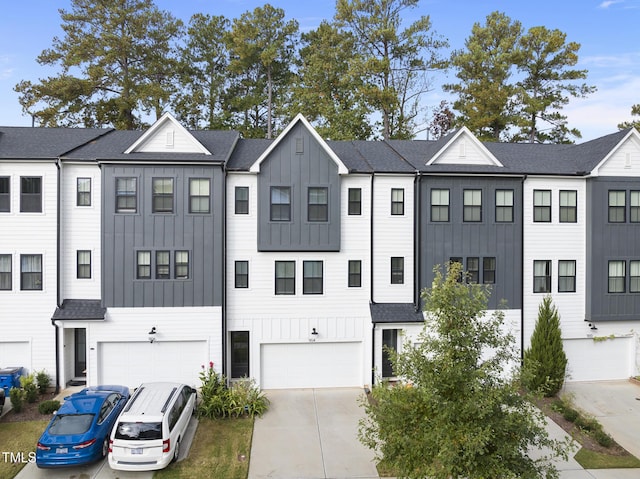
x: 110, y: 445
x: 166, y: 445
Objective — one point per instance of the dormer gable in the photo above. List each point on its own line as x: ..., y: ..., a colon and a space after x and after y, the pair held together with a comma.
x: 623, y: 159
x: 342, y: 169
x: 167, y: 135
x: 463, y: 148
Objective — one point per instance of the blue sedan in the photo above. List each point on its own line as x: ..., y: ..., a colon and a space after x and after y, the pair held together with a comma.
x: 79, y: 431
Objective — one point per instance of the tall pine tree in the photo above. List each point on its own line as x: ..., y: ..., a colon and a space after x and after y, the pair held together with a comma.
x: 545, y: 361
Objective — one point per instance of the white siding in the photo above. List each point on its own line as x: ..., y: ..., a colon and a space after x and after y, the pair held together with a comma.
x: 625, y: 161
x: 169, y: 138
x: 81, y: 230
x: 25, y: 316
x: 393, y: 237
x: 464, y: 150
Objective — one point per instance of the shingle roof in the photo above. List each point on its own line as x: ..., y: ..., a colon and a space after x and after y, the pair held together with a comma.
x: 79, y: 309
x: 395, y: 313
x: 43, y: 143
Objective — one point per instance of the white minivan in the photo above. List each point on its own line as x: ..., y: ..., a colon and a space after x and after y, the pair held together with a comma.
x: 148, y: 432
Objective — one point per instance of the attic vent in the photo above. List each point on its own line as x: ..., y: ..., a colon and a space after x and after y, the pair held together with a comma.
x: 299, y: 145
x: 627, y: 160
x: 170, y: 135
x: 463, y: 149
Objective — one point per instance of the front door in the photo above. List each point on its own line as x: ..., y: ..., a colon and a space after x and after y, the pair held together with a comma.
x: 80, y: 352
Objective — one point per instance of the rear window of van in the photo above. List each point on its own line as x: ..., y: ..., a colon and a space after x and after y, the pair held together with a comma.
x: 139, y: 431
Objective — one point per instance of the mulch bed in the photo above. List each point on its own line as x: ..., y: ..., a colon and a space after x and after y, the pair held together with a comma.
x: 29, y: 411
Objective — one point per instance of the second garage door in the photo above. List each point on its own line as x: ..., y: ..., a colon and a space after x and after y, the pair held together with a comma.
x: 591, y: 360
x: 311, y: 365
x: 132, y: 363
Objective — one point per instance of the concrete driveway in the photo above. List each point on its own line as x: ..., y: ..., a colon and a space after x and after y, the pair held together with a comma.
x: 311, y: 433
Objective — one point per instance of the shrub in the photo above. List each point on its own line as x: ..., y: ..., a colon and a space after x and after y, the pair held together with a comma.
x: 43, y: 380
x: 219, y: 401
x: 48, y: 407
x: 30, y: 387
x: 17, y: 399
x: 545, y: 361
x: 603, y: 438
x: 570, y: 414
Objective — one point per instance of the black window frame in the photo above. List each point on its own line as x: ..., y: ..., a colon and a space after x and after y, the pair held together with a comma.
x: 83, y: 191
x: 241, y: 200
x: 5, y: 194
x: 503, y: 208
x: 438, y: 210
x: 312, y: 277
x: 542, y: 279
x: 280, y: 211
x: 471, y: 212
x: 143, y: 269
x: 566, y: 282
x: 473, y: 270
x: 31, y: 194
x: 354, y: 202
x: 542, y: 211
x: 397, y: 270
x: 389, y: 344
x: 241, y: 274
x: 83, y: 268
x: 163, y: 264
x: 285, y: 282
x: 197, y: 199
x: 162, y: 201
x: 317, y: 204
x: 397, y: 205
x: 181, y: 269
x: 618, y: 280
x: 32, y: 276
x: 617, y: 213
x: 568, y: 213
x: 634, y: 206
x: 240, y: 351
x: 6, y: 275
x: 634, y: 276
x: 355, y: 273
x: 126, y: 194
x: 489, y: 270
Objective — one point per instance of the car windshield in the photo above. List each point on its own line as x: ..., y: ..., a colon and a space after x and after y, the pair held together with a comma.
x: 71, y: 424
x: 139, y: 431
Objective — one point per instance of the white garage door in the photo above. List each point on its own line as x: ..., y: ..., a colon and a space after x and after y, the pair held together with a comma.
x: 590, y: 360
x: 133, y: 363
x: 15, y: 353
x: 311, y: 365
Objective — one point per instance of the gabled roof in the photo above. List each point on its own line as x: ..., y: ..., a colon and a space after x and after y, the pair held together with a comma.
x: 461, y: 136
x: 606, y: 142
x: 342, y: 169
x: 174, y: 134
x: 44, y: 143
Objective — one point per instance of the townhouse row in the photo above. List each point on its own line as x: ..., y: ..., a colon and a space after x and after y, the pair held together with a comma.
x: 129, y: 256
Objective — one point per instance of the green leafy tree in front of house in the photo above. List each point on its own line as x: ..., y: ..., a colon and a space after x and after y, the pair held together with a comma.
x: 545, y: 361
x: 460, y: 415
x: 635, y: 111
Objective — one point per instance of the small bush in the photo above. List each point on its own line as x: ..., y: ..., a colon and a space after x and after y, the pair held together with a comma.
x: 30, y: 387
x: 48, y: 407
x: 17, y: 399
x: 570, y: 414
x: 603, y: 438
x: 43, y: 380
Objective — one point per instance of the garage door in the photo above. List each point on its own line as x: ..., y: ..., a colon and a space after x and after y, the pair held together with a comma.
x: 311, y: 365
x: 590, y: 360
x: 133, y: 363
x: 15, y: 353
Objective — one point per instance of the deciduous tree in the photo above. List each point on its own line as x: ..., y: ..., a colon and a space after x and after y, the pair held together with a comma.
x: 458, y: 414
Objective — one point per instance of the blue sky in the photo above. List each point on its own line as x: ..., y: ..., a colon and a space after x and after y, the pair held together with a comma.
x: 606, y: 29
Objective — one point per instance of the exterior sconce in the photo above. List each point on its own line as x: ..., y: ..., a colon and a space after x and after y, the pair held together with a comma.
x: 314, y: 335
x: 593, y: 327
x: 152, y: 335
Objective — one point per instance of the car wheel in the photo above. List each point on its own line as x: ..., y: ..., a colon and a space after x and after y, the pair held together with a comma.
x: 176, y: 451
x: 105, y: 448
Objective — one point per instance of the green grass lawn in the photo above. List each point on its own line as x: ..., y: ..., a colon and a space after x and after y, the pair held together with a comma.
x: 19, y: 439
x: 220, y: 448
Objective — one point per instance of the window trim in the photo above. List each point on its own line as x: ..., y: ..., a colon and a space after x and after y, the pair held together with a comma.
x: 81, y: 268
x: 285, y: 280
x: 280, y: 207
x: 199, y: 197
x: 83, y: 197
x: 397, y: 270
x: 546, y: 263
x: 25, y: 206
x: 310, y: 281
x: 241, y: 275
x: 7, y: 274
x: 473, y: 275
x: 471, y: 210
x: 354, y: 279
x: 317, y: 211
x: 634, y: 210
x: 390, y: 343
x: 178, y: 266
x: 502, y: 207
x: 142, y: 267
x: 35, y: 274
x: 563, y: 279
x: 126, y: 195
x: 440, y: 207
x: 489, y: 268
x: 566, y: 210
x: 5, y: 198
x: 634, y: 279
x: 620, y: 279
x: 613, y: 211
x: 539, y: 209
x: 164, y: 265
x: 241, y: 205
x: 162, y: 196
x: 354, y: 206
x: 242, y: 337
x: 397, y: 205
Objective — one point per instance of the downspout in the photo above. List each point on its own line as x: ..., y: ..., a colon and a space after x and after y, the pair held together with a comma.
x: 371, y: 300
x: 224, y: 271
x: 58, y: 255
x: 417, y: 234
x: 524, y: 178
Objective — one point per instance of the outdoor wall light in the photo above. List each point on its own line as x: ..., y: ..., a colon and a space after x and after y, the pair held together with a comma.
x: 314, y: 335
x: 152, y: 334
x: 593, y: 327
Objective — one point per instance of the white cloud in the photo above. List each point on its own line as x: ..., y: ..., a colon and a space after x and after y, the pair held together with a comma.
x: 608, y: 3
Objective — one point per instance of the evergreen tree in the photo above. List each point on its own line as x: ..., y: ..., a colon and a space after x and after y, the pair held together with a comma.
x: 545, y: 361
